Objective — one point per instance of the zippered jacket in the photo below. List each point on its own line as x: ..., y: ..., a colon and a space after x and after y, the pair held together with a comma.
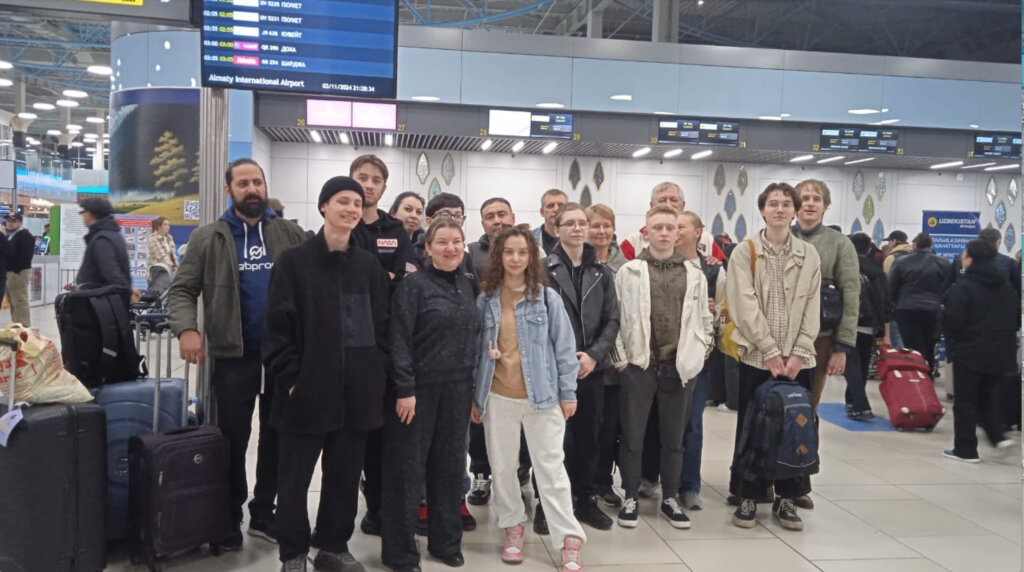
x: 595, y: 315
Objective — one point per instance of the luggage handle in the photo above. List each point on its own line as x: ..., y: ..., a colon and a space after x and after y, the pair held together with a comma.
x: 13, y: 344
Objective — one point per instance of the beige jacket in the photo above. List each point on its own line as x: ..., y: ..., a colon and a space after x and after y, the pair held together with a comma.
x: 633, y: 343
x: 746, y: 296
x: 887, y: 264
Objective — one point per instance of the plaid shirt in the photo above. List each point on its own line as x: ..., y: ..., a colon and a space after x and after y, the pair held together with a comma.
x: 161, y: 251
x: 773, y: 305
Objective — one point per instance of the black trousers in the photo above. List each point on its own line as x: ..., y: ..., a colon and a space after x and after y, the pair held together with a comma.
x: 371, y: 489
x: 236, y: 382
x: 974, y: 403
x: 750, y: 378
x: 856, y: 380
x: 865, y: 347
x: 343, y: 452
x: 608, y: 436
x: 582, y: 436
x: 650, y: 459
x: 917, y: 327
x: 430, y: 450
x: 478, y: 462
x: 723, y: 379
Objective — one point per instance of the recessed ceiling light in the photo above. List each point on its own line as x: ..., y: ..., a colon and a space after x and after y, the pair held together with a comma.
x: 4, y: 82
x: 978, y: 165
x: 43, y: 106
x: 831, y: 159
x: 5, y: 65
x: 622, y: 97
x: 518, y: 146
x: 801, y: 158
x: 549, y: 148
x: 486, y: 145
x: 73, y: 127
x: 77, y: 144
x: 156, y: 67
x: 106, y: 135
x: 389, y: 140
x: 886, y: 122
x: 974, y: 126
x: 315, y: 136
x: 550, y: 105
x: 859, y: 161
x: 67, y: 103
x: 1004, y: 167
x: 27, y: 115
x: 946, y: 165
x: 425, y: 98
x: 95, y: 119
x: 99, y: 70
x: 57, y: 132
x: 784, y: 115
x: 167, y: 45
x: 75, y: 93
x: 33, y: 142
x: 701, y: 155
x: 192, y: 81
x: 770, y: 117
x: 885, y: 110
x: 673, y: 153
x: 641, y: 152
x: 863, y: 111
x: 663, y: 113
x: 344, y: 138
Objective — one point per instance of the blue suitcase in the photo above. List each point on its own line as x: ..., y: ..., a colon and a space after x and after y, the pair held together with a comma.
x: 131, y: 409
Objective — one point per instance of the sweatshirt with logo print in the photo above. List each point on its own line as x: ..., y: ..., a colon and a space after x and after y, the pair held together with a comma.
x: 254, y: 264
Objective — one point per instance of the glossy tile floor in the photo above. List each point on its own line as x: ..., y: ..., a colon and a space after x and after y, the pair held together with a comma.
x: 885, y: 501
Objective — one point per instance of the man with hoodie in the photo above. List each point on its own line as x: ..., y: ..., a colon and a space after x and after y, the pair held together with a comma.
x: 106, y: 254
x: 381, y: 231
x: 228, y: 262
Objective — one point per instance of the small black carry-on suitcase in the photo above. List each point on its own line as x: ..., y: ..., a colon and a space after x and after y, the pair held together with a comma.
x: 53, y: 481
x: 178, y: 491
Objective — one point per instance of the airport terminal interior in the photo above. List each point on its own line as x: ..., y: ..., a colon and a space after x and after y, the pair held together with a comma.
x: 909, y: 111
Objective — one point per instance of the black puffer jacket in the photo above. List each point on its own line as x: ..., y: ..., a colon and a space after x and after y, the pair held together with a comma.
x: 434, y: 328
x: 915, y: 280
x: 106, y: 256
x: 595, y: 318
x: 325, y: 333
x: 981, y: 318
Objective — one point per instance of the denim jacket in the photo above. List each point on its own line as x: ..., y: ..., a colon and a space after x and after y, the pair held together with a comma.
x: 547, y: 345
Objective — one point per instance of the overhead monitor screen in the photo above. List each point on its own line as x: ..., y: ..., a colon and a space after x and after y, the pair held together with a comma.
x: 856, y: 139
x: 1001, y: 145
x: 551, y: 125
x: 699, y: 132
x: 336, y: 47
x: 509, y: 123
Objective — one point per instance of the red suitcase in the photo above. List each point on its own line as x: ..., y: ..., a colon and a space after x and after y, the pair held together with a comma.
x: 905, y: 359
x: 911, y: 399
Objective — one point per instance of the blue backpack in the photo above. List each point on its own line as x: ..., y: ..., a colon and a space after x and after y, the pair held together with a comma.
x: 780, y: 437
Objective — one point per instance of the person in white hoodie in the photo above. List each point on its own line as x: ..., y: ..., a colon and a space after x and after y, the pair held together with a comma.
x: 664, y: 337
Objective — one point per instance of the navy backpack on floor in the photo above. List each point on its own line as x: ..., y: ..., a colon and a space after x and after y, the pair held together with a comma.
x: 780, y: 437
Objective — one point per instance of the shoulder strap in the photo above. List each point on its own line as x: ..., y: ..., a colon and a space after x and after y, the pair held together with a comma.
x: 753, y: 257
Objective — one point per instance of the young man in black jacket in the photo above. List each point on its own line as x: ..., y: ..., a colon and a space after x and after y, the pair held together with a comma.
x: 982, y: 317
x: 325, y: 293
x: 106, y: 254
x: 873, y: 320
x: 382, y: 231
x: 19, y: 269
x: 915, y: 285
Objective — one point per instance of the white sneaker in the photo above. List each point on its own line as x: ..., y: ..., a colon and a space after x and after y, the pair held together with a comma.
x: 1005, y: 444
x: 725, y: 408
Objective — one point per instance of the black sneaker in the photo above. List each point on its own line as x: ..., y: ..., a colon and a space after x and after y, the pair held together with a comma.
x: 804, y: 502
x: 262, y: 528
x: 480, y: 492
x: 784, y: 510
x: 297, y: 564
x: 629, y: 516
x: 337, y: 562
x: 746, y: 514
x: 370, y: 525
x: 671, y: 508
x: 588, y: 512
x: 524, y: 476
x: 233, y: 541
x: 609, y: 496
x: 540, y: 522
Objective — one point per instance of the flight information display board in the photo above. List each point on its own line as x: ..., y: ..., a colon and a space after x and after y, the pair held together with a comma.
x: 856, y: 139
x: 553, y: 125
x: 1001, y: 145
x: 336, y: 47
x: 699, y: 132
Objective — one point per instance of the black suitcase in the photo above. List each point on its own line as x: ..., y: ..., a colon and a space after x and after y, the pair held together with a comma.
x: 53, y: 481
x: 178, y: 491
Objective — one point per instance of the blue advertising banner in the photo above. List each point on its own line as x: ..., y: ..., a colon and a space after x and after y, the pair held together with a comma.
x: 951, y: 230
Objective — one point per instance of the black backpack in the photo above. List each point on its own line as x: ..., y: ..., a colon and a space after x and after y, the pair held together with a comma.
x: 867, y: 315
x: 96, y: 335
x: 780, y: 438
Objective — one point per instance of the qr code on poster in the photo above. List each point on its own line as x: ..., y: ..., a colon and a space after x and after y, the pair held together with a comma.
x: 191, y: 210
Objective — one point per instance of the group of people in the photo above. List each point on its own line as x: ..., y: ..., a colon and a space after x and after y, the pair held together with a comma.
x: 392, y: 352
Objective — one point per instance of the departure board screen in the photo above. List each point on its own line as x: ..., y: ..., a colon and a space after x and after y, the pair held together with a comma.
x: 856, y: 139
x: 336, y: 47
x: 1001, y: 145
x: 553, y: 125
x: 699, y: 132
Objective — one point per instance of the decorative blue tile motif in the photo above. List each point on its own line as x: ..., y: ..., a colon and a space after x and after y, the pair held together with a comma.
x: 585, y: 200
x: 1001, y: 214
x: 1010, y: 238
x: 730, y: 204
x: 717, y: 225
x: 878, y: 235
x: 719, y: 180
x: 435, y: 189
x: 599, y: 175
x: 741, y: 228
x: 574, y: 173
x: 856, y: 227
x: 422, y: 168
x: 858, y: 185
x: 448, y: 168
x: 742, y: 180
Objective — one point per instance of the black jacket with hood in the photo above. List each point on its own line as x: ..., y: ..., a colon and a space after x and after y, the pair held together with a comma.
x: 915, y: 280
x: 106, y: 256
x: 389, y: 241
x: 981, y: 318
x: 326, y: 334
x: 592, y: 303
x: 880, y: 311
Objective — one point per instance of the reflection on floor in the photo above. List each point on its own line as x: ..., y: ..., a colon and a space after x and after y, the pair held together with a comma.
x: 885, y: 501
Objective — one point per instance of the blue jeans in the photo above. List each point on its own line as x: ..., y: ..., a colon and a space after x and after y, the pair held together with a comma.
x: 894, y: 335
x: 693, y: 440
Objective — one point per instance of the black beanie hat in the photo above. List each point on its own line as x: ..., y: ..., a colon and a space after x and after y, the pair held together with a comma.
x: 335, y: 185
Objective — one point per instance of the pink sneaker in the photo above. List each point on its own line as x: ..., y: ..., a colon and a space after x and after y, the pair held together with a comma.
x: 513, y: 551
x: 571, y: 554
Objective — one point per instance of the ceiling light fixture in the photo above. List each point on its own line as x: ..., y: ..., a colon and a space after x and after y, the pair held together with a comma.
x: 389, y: 140
x: 344, y: 138
x: 518, y: 146
x: 73, y: 127
x: 95, y: 119
x: 550, y: 105
x: 977, y: 166
x: 486, y: 146
x: 315, y: 136
x: 622, y: 97
x: 770, y: 117
x: 701, y: 155
x: 549, y: 148
x: 57, y: 132
x: 974, y: 126
x: 4, y: 82
x: 99, y: 70
x: 43, y: 106
x: 784, y: 115
x: 673, y: 153
x: 831, y: 159
x: 1004, y: 167
x: 863, y: 111
x: 663, y: 113
x: 67, y: 103
x: 886, y: 122
x: 801, y: 158
x: 27, y: 115
x: 641, y: 152
x: 859, y: 161
x: 77, y: 144
x: 425, y: 98
x: 946, y: 165
x: 75, y: 93
x: 5, y: 65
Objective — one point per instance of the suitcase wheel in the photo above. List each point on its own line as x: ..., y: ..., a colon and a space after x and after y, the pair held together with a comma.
x: 929, y: 428
x: 899, y: 428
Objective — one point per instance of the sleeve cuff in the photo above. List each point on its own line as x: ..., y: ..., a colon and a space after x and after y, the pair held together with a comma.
x: 772, y: 353
x: 804, y: 354
x: 403, y: 392
x: 567, y: 396
x: 841, y: 347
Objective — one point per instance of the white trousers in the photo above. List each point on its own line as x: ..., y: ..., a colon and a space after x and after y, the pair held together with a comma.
x: 545, y: 431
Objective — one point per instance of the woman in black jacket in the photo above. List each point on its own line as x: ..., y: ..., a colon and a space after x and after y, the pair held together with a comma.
x: 981, y: 317
x: 588, y: 292
x: 434, y: 328
x: 324, y: 344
